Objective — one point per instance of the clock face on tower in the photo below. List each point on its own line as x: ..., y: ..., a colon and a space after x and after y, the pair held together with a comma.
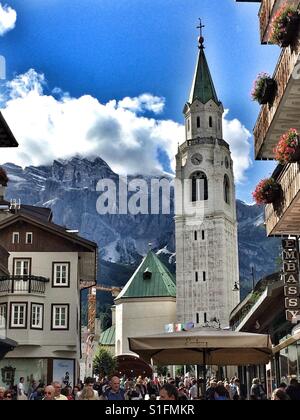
x: 196, y: 159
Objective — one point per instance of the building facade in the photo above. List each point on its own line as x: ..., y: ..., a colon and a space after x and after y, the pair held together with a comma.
x: 272, y: 312
x: 206, y: 224
x: 7, y: 139
x: 40, y: 297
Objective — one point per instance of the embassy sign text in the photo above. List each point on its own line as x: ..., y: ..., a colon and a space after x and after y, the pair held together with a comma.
x: 290, y: 258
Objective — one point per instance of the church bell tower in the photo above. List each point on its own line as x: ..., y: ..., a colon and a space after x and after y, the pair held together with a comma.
x: 206, y: 224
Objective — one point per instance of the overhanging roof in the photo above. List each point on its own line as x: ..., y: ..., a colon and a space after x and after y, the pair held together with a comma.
x: 7, y: 139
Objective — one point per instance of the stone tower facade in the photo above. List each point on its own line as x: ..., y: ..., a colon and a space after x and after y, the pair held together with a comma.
x: 206, y: 224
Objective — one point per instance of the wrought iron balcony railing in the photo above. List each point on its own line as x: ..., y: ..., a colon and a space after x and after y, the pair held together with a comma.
x: 23, y: 284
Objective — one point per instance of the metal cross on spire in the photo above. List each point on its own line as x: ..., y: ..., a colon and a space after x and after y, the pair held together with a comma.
x: 201, y: 38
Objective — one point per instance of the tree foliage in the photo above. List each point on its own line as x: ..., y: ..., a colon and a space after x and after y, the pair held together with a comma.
x: 104, y: 363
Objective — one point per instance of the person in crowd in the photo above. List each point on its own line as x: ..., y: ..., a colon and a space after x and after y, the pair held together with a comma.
x: 98, y: 387
x: 293, y: 390
x: 210, y: 392
x: 221, y: 393
x: 75, y: 391
x: 257, y: 390
x: 88, y: 394
x: 193, y: 392
x: 152, y: 388
x: 21, y: 390
x: 182, y: 389
x: 228, y: 389
x: 67, y: 392
x: 8, y: 395
x: 58, y: 396
x: 114, y: 392
x: 49, y: 393
x: 2, y: 391
x: 168, y: 393
x: 283, y: 386
x: 280, y: 395
x: 88, y: 383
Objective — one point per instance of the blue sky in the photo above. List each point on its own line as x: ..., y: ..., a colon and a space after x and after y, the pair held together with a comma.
x: 115, y: 49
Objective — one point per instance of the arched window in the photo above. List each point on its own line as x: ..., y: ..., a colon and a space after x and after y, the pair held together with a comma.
x: 199, y: 186
x: 226, y: 189
x: 210, y: 122
x: 198, y: 122
x: 188, y: 125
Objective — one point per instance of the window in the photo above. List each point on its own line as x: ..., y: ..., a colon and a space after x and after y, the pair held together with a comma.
x: 196, y: 276
x: 29, y: 237
x: 60, y: 317
x: 61, y: 274
x: 16, y: 238
x: 197, y: 318
x: 195, y: 235
x: 198, y: 122
x: 199, y: 186
x: 210, y: 122
x: 203, y: 235
x: 37, y: 315
x: 18, y: 315
x: 3, y: 314
x: 204, y: 276
x: 226, y: 189
x: 205, y: 317
x: 22, y: 267
x: 188, y: 125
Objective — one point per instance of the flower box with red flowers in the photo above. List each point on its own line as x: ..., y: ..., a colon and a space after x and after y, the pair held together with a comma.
x: 267, y: 191
x: 288, y: 147
x: 264, y: 89
x: 285, y: 26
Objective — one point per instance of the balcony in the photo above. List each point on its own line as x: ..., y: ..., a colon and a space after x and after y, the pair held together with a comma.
x: 23, y: 285
x: 267, y: 11
x: 283, y: 217
x: 284, y: 113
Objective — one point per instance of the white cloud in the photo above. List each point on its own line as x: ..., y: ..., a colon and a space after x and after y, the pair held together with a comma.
x: 49, y: 128
x: 142, y: 103
x: 237, y: 135
x: 8, y: 18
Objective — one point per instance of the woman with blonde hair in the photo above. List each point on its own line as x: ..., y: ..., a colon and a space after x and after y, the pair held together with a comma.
x: 87, y: 394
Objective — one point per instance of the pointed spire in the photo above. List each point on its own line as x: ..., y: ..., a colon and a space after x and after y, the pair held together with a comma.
x: 203, y: 87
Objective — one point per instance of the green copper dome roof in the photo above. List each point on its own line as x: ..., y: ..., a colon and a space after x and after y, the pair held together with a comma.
x: 203, y: 87
x: 108, y: 336
x: 151, y: 279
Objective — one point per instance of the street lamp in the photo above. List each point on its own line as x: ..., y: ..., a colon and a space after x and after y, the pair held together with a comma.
x: 236, y: 287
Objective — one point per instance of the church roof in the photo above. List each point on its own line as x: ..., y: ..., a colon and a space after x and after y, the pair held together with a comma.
x: 203, y: 87
x: 151, y: 279
x: 107, y: 338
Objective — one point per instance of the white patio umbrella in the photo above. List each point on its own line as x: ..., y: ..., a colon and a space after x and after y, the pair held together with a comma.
x: 203, y: 347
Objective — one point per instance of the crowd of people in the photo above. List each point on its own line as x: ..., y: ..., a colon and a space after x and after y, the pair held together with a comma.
x: 159, y: 388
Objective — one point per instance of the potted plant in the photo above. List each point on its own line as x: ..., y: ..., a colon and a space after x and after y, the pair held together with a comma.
x: 285, y: 26
x: 267, y: 191
x: 3, y: 177
x: 264, y: 89
x: 288, y: 147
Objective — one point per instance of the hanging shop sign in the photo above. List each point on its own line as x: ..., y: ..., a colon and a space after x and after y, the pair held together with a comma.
x: 290, y: 257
